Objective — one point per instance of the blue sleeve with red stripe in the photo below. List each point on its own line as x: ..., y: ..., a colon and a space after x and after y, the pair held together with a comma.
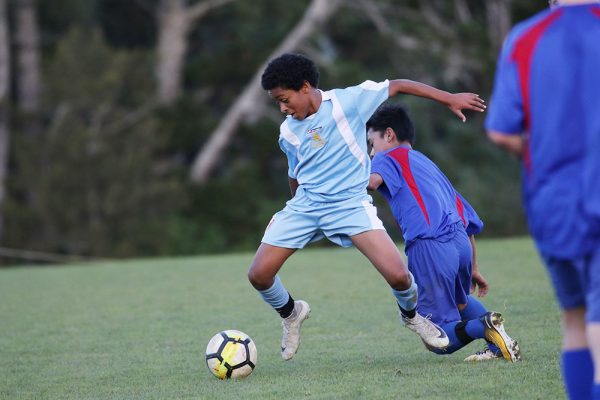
x: 474, y: 224
x: 505, y: 114
x: 386, y: 168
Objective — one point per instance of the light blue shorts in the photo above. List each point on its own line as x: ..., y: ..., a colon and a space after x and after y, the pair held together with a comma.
x: 577, y: 282
x: 303, y: 221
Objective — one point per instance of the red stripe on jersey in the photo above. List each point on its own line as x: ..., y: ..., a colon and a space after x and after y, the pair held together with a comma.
x: 596, y: 11
x: 401, y: 156
x: 523, y: 56
x: 461, y: 210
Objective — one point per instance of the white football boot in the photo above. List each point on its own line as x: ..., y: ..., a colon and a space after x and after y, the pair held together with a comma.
x: 484, y: 355
x: 431, y: 334
x: 291, y: 329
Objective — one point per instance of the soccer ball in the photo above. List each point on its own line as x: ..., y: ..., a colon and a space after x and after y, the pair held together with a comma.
x: 231, y: 354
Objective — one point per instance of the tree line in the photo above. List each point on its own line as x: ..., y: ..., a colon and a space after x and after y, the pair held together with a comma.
x: 139, y: 127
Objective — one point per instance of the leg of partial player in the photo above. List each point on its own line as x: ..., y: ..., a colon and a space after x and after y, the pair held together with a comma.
x: 576, y: 361
x: 263, y: 276
x: 379, y: 248
x: 593, y: 332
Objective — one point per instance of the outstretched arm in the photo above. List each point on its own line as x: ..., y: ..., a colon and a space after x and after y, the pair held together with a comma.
x: 455, y: 101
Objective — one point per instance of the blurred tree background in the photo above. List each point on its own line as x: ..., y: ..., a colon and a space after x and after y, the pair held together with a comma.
x: 138, y: 127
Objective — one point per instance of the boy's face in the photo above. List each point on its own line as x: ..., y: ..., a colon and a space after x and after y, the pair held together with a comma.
x: 295, y: 103
x: 379, y: 142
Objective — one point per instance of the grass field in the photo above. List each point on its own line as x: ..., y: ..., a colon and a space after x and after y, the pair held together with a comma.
x: 138, y: 329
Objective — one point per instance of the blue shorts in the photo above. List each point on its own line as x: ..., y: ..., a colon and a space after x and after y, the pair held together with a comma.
x: 303, y: 221
x: 442, y: 270
x: 577, y: 282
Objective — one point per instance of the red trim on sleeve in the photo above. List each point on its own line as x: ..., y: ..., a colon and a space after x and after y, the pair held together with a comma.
x: 461, y: 209
x: 523, y: 56
x: 401, y: 156
x: 596, y: 10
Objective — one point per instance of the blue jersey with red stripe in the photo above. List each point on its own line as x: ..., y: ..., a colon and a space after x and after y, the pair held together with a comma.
x: 421, y: 197
x: 548, y: 87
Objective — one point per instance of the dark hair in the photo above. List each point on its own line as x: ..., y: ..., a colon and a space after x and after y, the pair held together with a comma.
x: 289, y: 71
x: 393, y: 116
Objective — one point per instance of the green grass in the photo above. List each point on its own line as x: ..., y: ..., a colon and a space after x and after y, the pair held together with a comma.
x: 138, y: 329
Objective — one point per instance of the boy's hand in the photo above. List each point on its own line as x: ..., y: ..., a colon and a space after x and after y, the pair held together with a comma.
x: 465, y: 101
x: 477, y: 280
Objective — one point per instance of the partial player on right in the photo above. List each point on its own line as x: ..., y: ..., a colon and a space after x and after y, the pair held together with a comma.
x: 546, y: 109
x: 438, y: 227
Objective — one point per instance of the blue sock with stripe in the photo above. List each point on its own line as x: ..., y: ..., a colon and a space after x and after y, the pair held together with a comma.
x: 578, y: 373
x: 278, y: 298
x: 460, y: 334
x: 474, y: 310
x: 407, y: 299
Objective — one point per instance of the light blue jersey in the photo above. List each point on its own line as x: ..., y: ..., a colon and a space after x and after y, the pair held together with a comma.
x: 327, y: 151
x: 327, y: 155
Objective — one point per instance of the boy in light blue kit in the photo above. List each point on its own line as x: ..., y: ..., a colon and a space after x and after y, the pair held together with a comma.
x: 323, y: 139
x: 438, y: 227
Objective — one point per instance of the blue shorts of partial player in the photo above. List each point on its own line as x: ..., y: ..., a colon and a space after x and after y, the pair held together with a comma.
x: 303, y: 221
x: 442, y: 269
x: 577, y: 282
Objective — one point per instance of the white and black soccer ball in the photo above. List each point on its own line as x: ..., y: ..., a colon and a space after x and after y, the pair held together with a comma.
x: 231, y: 354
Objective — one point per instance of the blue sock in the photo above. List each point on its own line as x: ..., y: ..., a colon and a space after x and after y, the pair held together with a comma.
x: 578, y: 373
x: 276, y: 295
x: 474, y: 309
x: 475, y: 329
x: 596, y: 392
x: 455, y: 342
x: 407, y: 299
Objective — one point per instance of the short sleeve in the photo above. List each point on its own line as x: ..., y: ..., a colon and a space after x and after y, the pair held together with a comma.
x: 368, y: 96
x: 387, y: 168
x: 505, y: 113
x: 474, y: 223
x: 291, y: 153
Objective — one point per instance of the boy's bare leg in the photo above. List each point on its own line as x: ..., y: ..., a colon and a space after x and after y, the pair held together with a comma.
x: 263, y: 276
x: 267, y: 262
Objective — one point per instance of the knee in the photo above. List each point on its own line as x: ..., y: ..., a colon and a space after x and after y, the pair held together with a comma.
x: 258, y: 278
x: 400, y: 280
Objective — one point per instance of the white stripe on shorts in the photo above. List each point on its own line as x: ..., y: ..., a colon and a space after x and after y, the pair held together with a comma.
x: 372, y: 213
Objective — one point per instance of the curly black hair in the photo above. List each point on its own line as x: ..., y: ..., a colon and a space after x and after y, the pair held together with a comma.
x: 393, y: 116
x: 289, y: 71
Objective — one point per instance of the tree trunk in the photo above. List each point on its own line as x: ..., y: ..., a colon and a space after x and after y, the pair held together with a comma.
x: 318, y: 12
x: 498, y: 21
x: 172, y: 45
x: 28, y: 64
x: 4, y: 103
x: 175, y: 19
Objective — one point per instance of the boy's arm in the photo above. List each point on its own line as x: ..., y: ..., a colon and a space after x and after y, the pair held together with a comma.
x: 456, y: 102
x: 477, y: 280
x: 293, y: 185
x: 512, y: 143
x: 375, y: 180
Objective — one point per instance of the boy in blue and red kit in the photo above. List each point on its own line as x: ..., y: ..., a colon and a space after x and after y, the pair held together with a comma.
x: 555, y: 129
x: 438, y: 227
